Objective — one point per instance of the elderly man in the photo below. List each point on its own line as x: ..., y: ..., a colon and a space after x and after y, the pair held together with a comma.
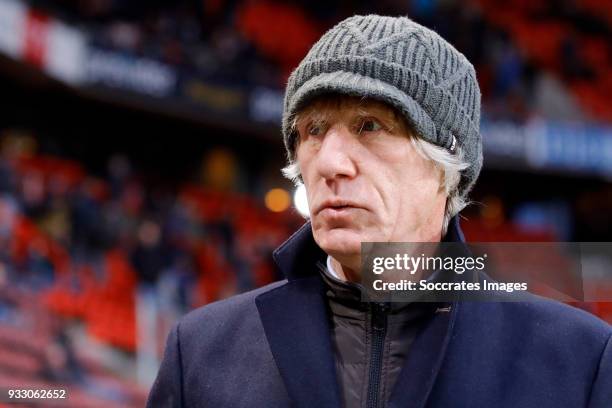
x: 381, y: 124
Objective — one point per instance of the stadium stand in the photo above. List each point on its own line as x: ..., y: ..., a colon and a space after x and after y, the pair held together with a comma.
x: 514, y: 46
x: 571, y: 39
x: 55, y: 245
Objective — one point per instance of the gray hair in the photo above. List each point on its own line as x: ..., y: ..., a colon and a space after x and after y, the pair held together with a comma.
x: 450, y: 165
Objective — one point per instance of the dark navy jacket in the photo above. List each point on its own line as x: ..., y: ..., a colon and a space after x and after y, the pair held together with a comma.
x: 271, y: 347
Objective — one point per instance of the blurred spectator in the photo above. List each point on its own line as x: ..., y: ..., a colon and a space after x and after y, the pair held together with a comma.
x: 148, y: 257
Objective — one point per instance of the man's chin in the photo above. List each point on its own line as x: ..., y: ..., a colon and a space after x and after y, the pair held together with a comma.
x: 339, y: 242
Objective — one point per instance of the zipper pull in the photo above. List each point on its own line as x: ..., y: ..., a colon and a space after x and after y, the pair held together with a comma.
x: 379, y: 315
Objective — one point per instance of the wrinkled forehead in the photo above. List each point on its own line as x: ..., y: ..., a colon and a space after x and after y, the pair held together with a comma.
x: 329, y: 106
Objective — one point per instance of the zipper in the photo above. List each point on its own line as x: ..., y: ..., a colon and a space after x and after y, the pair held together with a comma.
x: 379, y: 330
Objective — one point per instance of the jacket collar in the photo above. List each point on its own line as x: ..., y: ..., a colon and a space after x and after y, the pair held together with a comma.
x: 297, y: 256
x: 296, y: 324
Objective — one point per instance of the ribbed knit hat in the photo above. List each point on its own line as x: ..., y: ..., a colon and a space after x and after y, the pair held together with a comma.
x: 397, y: 61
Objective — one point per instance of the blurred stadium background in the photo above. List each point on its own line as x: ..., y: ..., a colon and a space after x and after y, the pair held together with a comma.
x: 140, y: 154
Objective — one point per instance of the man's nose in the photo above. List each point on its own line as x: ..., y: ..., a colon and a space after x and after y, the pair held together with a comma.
x: 336, y: 154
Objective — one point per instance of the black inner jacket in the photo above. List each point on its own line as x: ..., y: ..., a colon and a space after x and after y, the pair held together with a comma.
x: 369, y: 356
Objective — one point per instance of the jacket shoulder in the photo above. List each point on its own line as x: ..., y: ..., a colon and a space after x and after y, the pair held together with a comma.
x: 537, y: 322
x: 216, y: 319
x: 229, y: 308
x: 212, y: 353
x: 555, y: 317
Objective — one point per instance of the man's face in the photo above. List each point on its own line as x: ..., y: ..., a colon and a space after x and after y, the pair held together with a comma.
x: 364, y: 179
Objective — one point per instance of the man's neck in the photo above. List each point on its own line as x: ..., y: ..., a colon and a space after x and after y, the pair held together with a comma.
x: 342, y: 272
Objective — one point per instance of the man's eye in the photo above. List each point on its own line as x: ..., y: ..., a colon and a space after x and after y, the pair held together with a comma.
x: 370, y: 125
x: 315, y: 129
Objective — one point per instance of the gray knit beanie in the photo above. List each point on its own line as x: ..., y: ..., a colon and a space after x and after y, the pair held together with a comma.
x: 397, y: 61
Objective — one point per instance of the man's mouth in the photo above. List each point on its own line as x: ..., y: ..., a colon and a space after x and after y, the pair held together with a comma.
x: 337, y: 207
